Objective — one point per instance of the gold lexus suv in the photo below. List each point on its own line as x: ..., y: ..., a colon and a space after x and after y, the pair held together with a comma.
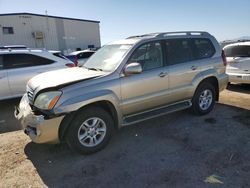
x: 124, y: 82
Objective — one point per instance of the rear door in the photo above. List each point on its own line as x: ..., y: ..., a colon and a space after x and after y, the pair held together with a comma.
x: 185, y: 59
x: 4, y: 84
x: 21, y: 68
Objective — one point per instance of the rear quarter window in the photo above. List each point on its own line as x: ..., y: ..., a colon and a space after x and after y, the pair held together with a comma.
x: 203, y: 48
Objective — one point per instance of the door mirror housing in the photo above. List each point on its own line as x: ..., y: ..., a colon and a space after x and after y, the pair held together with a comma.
x: 133, y: 68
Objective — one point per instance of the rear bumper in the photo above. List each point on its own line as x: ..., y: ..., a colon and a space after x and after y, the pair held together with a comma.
x: 38, y: 129
x: 239, y: 78
x: 223, y: 81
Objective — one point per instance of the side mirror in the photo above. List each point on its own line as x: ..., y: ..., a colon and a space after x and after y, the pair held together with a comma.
x: 133, y: 68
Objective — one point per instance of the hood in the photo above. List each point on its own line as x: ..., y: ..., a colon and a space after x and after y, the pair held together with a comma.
x: 61, y: 77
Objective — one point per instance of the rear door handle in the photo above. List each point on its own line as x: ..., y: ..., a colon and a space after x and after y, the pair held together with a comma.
x: 163, y: 74
x: 193, y: 67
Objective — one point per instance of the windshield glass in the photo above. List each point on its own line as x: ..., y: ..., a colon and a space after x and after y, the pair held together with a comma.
x: 237, y: 51
x: 107, y: 58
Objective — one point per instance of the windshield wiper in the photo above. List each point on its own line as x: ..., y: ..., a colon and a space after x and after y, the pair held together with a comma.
x: 92, y: 68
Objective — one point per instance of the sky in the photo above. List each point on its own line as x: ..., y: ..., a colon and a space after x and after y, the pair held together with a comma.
x: 225, y: 19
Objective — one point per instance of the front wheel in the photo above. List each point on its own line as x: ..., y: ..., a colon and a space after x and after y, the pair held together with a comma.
x: 90, y: 130
x: 204, y: 99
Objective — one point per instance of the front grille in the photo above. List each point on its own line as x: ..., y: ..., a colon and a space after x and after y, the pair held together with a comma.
x: 30, y: 94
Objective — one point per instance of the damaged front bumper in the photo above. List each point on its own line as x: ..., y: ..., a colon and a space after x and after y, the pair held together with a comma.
x: 40, y: 130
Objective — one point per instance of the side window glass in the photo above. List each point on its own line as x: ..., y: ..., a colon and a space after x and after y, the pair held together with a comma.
x: 149, y: 56
x: 24, y: 60
x: 80, y: 56
x: 88, y: 54
x: 203, y: 48
x: 1, y: 62
x: 178, y: 51
x: 38, y: 60
x: 13, y: 61
x: 84, y: 55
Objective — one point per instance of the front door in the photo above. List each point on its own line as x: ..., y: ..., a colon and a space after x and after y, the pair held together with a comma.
x: 148, y: 89
x: 4, y: 84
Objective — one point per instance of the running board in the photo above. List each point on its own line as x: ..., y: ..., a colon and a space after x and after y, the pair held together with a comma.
x: 149, y: 114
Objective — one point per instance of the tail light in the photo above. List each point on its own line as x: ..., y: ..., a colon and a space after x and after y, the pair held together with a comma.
x: 76, y: 61
x: 70, y: 65
x: 224, y: 58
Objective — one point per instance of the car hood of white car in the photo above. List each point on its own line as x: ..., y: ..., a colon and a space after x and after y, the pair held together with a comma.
x: 61, y: 77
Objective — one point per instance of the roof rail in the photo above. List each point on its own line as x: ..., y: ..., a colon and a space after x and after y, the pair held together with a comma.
x: 145, y: 35
x: 166, y: 34
x: 181, y: 33
x: 9, y: 47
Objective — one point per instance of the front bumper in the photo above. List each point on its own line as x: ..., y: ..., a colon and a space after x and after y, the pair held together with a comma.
x: 38, y: 129
x: 239, y: 78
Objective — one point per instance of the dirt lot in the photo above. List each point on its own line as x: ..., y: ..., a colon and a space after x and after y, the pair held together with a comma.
x: 177, y: 150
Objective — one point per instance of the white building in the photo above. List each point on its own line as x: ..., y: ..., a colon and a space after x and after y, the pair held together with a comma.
x: 50, y: 32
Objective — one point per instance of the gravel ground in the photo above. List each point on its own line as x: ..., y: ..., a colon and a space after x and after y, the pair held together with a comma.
x: 176, y: 150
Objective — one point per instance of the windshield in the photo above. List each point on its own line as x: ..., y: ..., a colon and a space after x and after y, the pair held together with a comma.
x: 237, y: 51
x: 107, y: 58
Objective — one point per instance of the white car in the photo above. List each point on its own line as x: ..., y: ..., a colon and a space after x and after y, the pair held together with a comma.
x: 80, y: 57
x: 17, y: 66
x: 238, y: 62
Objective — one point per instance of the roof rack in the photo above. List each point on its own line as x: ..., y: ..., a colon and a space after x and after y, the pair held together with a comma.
x: 181, y: 33
x: 3, y: 49
x: 167, y: 34
x: 9, y: 47
x: 141, y: 36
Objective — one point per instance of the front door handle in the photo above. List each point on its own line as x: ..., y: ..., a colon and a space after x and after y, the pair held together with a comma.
x: 193, y: 67
x: 163, y: 74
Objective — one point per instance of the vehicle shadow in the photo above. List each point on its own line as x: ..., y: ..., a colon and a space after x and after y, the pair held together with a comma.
x: 8, y: 121
x: 243, y: 88
x: 176, y: 150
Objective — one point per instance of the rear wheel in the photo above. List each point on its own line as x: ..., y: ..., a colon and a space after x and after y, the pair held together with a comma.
x: 204, y: 99
x: 90, y: 130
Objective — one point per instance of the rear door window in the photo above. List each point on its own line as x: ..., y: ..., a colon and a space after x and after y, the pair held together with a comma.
x: 178, y: 51
x: 11, y: 61
x: 203, y: 48
x: 237, y: 51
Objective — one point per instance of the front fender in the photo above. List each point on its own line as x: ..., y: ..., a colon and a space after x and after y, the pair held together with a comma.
x: 77, y: 102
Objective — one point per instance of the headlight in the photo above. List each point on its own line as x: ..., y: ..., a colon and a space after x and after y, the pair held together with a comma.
x: 47, y: 100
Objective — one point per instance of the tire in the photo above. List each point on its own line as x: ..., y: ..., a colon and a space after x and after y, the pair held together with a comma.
x: 204, y: 99
x: 88, y: 126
